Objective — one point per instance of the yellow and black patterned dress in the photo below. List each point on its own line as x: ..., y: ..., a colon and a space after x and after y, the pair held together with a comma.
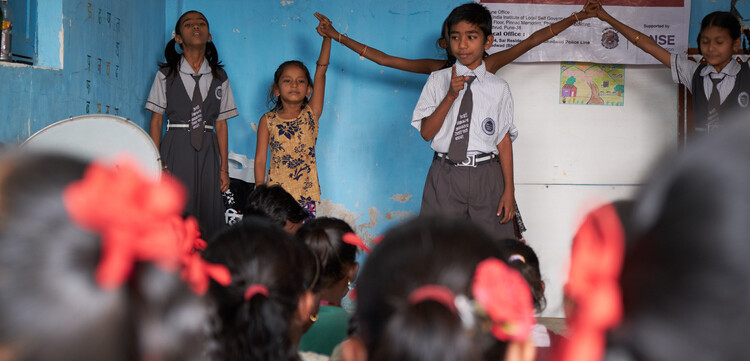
x: 292, y: 144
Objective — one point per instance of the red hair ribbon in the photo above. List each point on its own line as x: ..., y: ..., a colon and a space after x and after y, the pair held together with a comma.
x: 354, y: 240
x: 596, y: 262
x: 506, y: 298
x: 435, y: 293
x: 255, y: 289
x: 137, y: 219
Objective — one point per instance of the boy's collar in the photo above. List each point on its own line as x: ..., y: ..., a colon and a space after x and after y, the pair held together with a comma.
x: 479, y: 72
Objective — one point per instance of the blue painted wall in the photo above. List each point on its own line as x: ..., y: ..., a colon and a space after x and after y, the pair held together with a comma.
x: 95, y: 57
x: 701, y: 8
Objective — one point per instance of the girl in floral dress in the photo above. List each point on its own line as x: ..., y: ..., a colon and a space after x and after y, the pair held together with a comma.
x: 290, y: 129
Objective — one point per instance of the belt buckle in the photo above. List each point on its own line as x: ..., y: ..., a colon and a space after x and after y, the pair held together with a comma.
x: 471, y: 161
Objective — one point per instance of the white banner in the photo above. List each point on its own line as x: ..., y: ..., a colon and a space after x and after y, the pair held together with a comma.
x: 592, y: 40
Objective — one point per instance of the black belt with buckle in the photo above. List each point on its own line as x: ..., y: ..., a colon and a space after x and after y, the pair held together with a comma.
x: 471, y: 161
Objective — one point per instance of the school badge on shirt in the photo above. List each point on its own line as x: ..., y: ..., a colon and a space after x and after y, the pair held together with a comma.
x: 743, y: 99
x: 488, y: 126
x: 218, y: 92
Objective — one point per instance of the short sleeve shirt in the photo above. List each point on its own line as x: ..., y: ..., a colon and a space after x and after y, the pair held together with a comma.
x: 683, y: 69
x: 492, y: 112
x: 157, y: 98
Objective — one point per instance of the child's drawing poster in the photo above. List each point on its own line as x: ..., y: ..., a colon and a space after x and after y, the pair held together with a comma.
x: 592, y: 83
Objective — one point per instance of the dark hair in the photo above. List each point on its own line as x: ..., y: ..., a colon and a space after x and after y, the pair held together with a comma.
x: 721, y: 19
x: 258, y: 252
x: 274, y: 203
x: 424, y: 251
x: 50, y: 304
x: 173, y: 57
x: 528, y: 267
x: 686, y: 278
x: 444, y: 30
x: 473, y: 13
x: 324, y: 238
x: 272, y: 98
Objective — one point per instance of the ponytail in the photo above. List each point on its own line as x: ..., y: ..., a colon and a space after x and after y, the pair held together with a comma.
x: 254, y: 315
x: 172, y: 57
x: 265, y: 322
x: 430, y: 331
x: 212, y: 55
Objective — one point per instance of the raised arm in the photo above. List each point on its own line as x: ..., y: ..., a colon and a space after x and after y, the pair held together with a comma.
x: 502, y: 58
x: 424, y: 66
x: 319, y: 81
x: 638, y: 39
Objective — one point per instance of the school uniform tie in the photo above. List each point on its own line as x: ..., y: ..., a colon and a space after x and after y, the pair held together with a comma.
x: 197, y: 125
x: 460, y: 140
x: 714, y: 102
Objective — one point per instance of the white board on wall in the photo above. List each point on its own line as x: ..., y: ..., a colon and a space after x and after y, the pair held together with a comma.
x: 590, y: 144
x: 570, y: 158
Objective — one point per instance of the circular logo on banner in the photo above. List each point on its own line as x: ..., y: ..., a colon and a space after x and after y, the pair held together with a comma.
x: 218, y: 92
x: 488, y: 126
x: 610, y: 40
x: 743, y: 99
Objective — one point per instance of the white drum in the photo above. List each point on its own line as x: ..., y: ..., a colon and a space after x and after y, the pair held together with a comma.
x: 101, y: 137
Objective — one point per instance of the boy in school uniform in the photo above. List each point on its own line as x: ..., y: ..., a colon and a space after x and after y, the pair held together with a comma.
x: 466, y: 113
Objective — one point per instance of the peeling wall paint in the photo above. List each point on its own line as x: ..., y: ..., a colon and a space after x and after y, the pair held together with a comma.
x: 403, y: 198
x: 399, y: 215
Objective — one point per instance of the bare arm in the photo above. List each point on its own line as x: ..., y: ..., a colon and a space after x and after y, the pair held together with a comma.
x: 261, y: 152
x: 502, y: 58
x: 424, y: 66
x: 319, y: 82
x: 154, y: 128
x: 431, y: 124
x: 507, y: 205
x: 638, y: 39
x: 221, y: 136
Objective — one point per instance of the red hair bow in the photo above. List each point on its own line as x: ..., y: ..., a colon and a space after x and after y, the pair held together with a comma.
x: 354, y: 240
x: 506, y: 298
x: 596, y: 262
x: 137, y: 219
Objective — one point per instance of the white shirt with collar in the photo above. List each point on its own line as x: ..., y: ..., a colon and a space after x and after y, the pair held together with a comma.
x: 157, y: 98
x: 683, y: 69
x: 492, y: 113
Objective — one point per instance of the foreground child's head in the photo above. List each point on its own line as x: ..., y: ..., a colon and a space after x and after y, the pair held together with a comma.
x: 276, y: 204
x: 521, y: 257
x: 68, y: 289
x: 325, y: 238
x: 292, y: 85
x: 262, y: 312
x: 468, y: 29
x: 719, y: 38
x: 423, y: 295
x: 685, y: 279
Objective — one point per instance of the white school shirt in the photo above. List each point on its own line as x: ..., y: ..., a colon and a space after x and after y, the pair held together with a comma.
x: 157, y: 98
x: 491, y: 116
x: 683, y: 69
